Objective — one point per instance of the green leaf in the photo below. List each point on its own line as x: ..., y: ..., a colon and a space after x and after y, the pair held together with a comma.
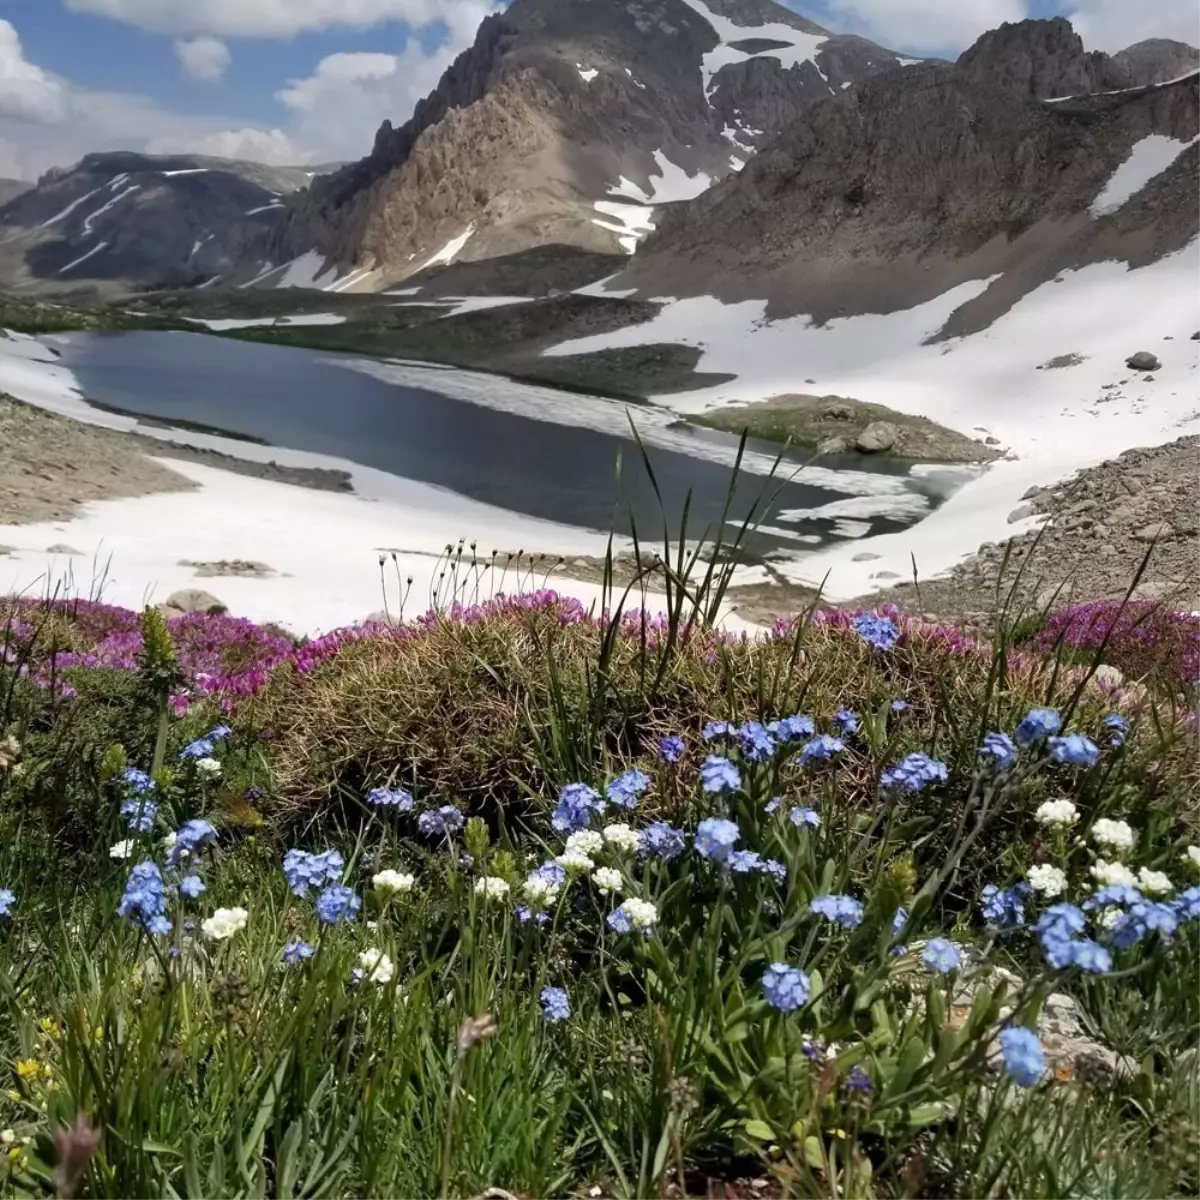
x: 759, y: 1130
x: 814, y: 1153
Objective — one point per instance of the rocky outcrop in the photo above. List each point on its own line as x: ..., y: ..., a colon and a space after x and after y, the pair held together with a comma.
x: 1155, y: 60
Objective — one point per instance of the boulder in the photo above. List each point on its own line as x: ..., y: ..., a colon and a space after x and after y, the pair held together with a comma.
x: 62, y: 548
x: 1156, y: 531
x: 1143, y: 360
x: 877, y: 437
x: 864, y: 556
x: 1020, y: 513
x: 837, y: 412
x: 191, y: 600
x: 833, y: 445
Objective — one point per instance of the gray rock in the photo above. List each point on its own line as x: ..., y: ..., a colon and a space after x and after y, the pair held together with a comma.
x: 864, y: 556
x: 1020, y: 513
x: 1156, y: 531
x: 1143, y: 360
x: 833, y: 445
x: 191, y: 600
x: 1132, y: 484
x: 991, y: 441
x: 838, y: 412
x: 1109, y: 674
x: 62, y: 548
x: 877, y: 437
x: 1196, y: 336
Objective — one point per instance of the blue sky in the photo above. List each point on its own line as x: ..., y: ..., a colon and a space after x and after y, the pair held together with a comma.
x: 310, y: 80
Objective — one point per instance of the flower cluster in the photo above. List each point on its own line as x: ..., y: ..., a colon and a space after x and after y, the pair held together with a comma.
x: 305, y: 871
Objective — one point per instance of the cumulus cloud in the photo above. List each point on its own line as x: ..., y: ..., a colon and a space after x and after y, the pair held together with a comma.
x: 1112, y: 25
x: 925, y: 26
x: 205, y: 58
x: 274, y: 18
x: 26, y: 91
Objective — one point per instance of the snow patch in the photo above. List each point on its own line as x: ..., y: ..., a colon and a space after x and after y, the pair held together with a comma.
x: 588, y: 75
x: 450, y: 251
x: 301, y: 272
x: 82, y: 258
x: 905, y: 62
x: 66, y: 212
x: 185, y: 171
x: 262, y: 208
x: 635, y: 82
x: 1148, y: 158
x: 221, y: 323
x: 631, y: 221
x: 87, y: 223
x: 735, y: 163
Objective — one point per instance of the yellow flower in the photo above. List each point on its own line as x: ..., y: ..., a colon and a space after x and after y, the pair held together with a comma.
x: 50, y: 1027
x: 28, y: 1068
x: 13, y: 1154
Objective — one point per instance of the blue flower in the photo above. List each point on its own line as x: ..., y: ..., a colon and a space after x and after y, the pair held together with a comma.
x: 755, y: 742
x: 7, y: 900
x: 1024, y: 1058
x: 139, y: 781
x: 715, y: 839
x: 395, y: 798
x: 941, y: 955
x: 999, y: 748
x: 671, y: 748
x: 625, y: 789
x: 786, y: 988
x: 619, y: 921
x: 801, y: 816
x: 145, y: 898
x: 1145, y: 917
x: 913, y: 773
x: 774, y: 868
x: 1090, y: 957
x: 660, y: 840
x: 899, y: 920
x: 1061, y: 920
x: 192, y: 886
x: 900, y: 706
x: 1075, y: 750
x: 524, y: 913
x: 772, y: 806
x: 304, y: 870
x: 1187, y: 904
x: 295, y: 953
x: 1116, y: 722
x: 218, y: 733
x: 576, y: 803
x: 551, y: 872
x: 793, y: 728
x: 1036, y: 725
x: 716, y: 729
x: 719, y: 775
x: 843, y: 910
x: 191, y: 838
x: 1113, y: 894
x: 201, y: 748
x: 555, y: 1004
x: 441, y: 822
x: 821, y: 748
x: 744, y: 862
x: 846, y: 721
x: 879, y: 632
x: 139, y: 814
x: 337, y: 903
x: 857, y: 1079
x: 1004, y: 907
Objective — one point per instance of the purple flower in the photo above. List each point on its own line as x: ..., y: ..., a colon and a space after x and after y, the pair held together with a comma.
x: 857, y: 1080
x: 846, y: 722
x: 1004, y: 907
x: 660, y: 840
x: 671, y: 748
x: 440, y: 822
x: 394, y: 798
x: 625, y: 789
x: 913, y: 773
x: 755, y: 742
x: 879, y: 632
x: 576, y: 803
x: 716, y: 729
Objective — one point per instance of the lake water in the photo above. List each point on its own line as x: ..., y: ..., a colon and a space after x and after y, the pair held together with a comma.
x: 304, y: 400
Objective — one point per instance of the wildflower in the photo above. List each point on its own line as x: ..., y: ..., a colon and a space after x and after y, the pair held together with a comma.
x: 576, y: 862
x: 774, y: 868
x: 793, y: 728
x: 1155, y: 883
x: 491, y: 887
x: 913, y: 773
x: 192, y: 837
x: 671, y: 748
x: 192, y: 886
x: 397, y: 799
x: 555, y: 1004
x: 1061, y: 920
x: 1191, y: 856
x: 608, y: 879
x: 525, y: 914
x: 1003, y: 907
x: 743, y: 862
x: 337, y: 903
x: 857, y: 1080
x: 1024, y: 1058
x: 1113, y: 873
x: 661, y: 840
x: 1116, y: 893
x: 139, y: 814
x: 941, y: 955
x: 145, y: 898
x: 304, y: 870
x: 1075, y: 750
x: 1048, y: 880
x: 821, y: 749
x: 1119, y: 726
x: 374, y: 967
x: 224, y: 923
x: 846, y: 722
x: 440, y: 822
x: 28, y: 1069
x: 620, y: 837
x: 1060, y: 813
x: 842, y: 910
x: 576, y: 803
x: 1090, y: 957
x: 999, y: 748
x: 201, y: 748
x: 7, y: 900
x: 625, y: 789
x: 715, y: 838
x: 1117, y: 835
x: 1145, y: 917
x: 800, y: 817
x: 878, y: 632
x: 719, y: 775
x: 772, y: 806
x: 208, y: 766
x: 392, y: 883
x: 1037, y: 725
x: 295, y: 953
x: 1187, y: 904
x: 122, y: 849
x: 755, y: 742
x: 585, y: 841
x: 633, y: 914
x: 139, y: 781
x: 786, y: 988
x: 900, y: 706
x: 899, y: 920
x: 541, y: 887
x: 716, y: 729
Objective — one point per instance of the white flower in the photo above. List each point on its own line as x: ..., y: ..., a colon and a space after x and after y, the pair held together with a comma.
x: 576, y: 861
x: 375, y: 967
x: 1106, y: 874
x: 123, y: 849
x: 208, y: 766
x: 491, y: 887
x: 7, y: 1137
x: 1108, y: 917
x: 608, y: 879
x: 1057, y: 812
x: 540, y: 891
x: 585, y: 841
x: 224, y: 923
x: 621, y: 837
x: 1048, y: 880
x: 1116, y: 834
x: 1154, y: 882
x: 392, y: 883
x: 641, y: 913
x: 1191, y: 855
x: 168, y: 843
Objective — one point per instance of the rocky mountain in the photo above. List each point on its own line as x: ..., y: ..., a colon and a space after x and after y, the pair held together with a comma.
x: 569, y: 122
x: 141, y: 220
x: 9, y: 188
x: 1017, y: 162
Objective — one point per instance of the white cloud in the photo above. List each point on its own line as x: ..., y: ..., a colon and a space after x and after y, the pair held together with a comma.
x: 274, y: 18
x: 926, y: 26
x: 26, y: 91
x: 258, y: 145
x: 204, y: 57
x: 1114, y: 24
